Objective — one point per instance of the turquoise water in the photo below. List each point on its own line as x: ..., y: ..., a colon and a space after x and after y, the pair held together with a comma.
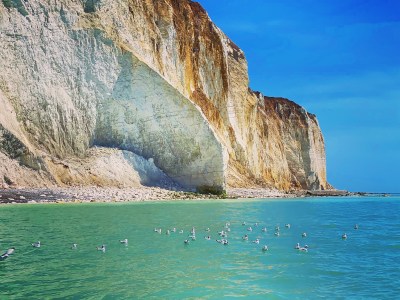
x: 160, y: 266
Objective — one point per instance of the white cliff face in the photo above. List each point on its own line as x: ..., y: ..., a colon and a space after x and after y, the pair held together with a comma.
x: 147, y: 116
x: 74, y: 87
x: 154, y: 78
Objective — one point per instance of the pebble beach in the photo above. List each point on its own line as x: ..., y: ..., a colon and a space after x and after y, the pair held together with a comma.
x: 102, y: 194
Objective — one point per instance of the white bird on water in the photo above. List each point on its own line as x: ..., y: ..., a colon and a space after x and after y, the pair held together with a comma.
x: 304, y: 234
x: 74, y: 246
x: 223, y: 241
x: 265, y: 248
x: 344, y: 236
x: 36, y: 245
x: 257, y: 241
x: 125, y: 241
x: 102, y: 248
x: 6, y: 254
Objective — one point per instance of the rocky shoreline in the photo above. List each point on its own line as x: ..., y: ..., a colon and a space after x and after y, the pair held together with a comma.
x: 101, y: 194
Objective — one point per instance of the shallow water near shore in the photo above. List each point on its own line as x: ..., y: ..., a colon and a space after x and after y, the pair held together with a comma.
x: 161, y: 266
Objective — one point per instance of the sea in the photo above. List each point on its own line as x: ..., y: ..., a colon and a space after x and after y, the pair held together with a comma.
x: 153, y: 265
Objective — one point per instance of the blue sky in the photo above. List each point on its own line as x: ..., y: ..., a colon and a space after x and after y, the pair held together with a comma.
x: 341, y: 61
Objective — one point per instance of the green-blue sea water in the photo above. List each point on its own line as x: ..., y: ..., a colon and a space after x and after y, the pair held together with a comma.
x: 159, y: 266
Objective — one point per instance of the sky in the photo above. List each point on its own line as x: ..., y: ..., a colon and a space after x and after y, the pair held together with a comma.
x: 338, y: 59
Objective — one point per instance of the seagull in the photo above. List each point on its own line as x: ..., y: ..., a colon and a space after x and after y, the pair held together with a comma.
x: 344, y: 236
x: 102, y: 248
x: 223, y: 241
x: 297, y: 246
x: 356, y: 226
x: 277, y: 228
x: 207, y: 229
x: 265, y: 248
x: 186, y: 242
x: 249, y: 229
x: 264, y: 229
x: 207, y: 238
x: 181, y: 231
x: 244, y: 223
x: 276, y: 233
x: 257, y: 241
x: 174, y: 229
x: 125, y: 241
x: 168, y: 232
x: 304, y: 234
x: 245, y: 237
x: 6, y: 254
x: 36, y: 245
x: 287, y: 226
x: 74, y: 246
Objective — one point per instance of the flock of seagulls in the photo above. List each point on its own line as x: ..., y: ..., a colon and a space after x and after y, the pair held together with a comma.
x: 74, y: 246
x: 223, y: 235
x: 223, y: 238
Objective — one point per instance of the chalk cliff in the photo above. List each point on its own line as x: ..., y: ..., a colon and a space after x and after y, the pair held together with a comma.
x: 134, y: 92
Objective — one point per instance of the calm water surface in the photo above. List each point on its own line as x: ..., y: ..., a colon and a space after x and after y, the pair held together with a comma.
x: 160, y: 266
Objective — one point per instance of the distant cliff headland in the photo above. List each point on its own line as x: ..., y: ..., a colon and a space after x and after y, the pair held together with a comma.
x: 129, y: 93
